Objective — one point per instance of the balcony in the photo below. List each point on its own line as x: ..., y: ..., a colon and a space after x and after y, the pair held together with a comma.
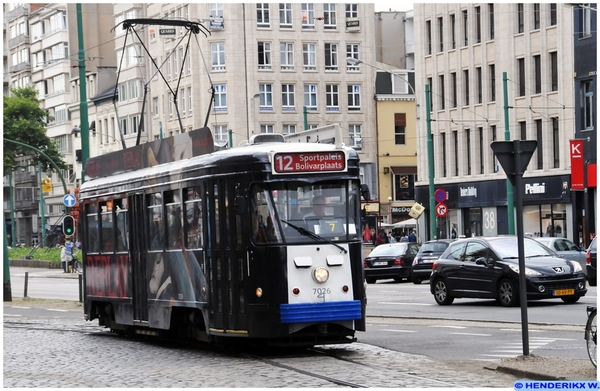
x: 17, y: 12
x: 18, y: 40
x: 24, y: 177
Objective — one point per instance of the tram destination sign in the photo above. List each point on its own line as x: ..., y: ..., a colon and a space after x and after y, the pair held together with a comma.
x: 294, y: 162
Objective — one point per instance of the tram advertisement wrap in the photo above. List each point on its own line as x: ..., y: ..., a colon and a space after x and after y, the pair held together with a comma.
x: 174, y: 276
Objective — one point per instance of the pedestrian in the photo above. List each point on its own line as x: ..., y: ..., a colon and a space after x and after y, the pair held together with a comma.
x: 391, y: 238
x: 412, y: 237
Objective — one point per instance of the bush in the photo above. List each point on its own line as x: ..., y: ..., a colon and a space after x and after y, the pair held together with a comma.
x: 41, y: 254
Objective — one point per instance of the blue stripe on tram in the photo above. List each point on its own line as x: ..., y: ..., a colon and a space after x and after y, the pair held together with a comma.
x: 320, y: 312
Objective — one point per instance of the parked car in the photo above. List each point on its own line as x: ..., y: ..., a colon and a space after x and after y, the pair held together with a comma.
x: 488, y: 267
x: 565, y: 248
x: 391, y: 260
x: 590, y: 262
x: 430, y: 251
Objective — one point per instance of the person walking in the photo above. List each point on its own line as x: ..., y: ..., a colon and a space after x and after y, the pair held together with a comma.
x: 412, y: 237
x: 391, y: 237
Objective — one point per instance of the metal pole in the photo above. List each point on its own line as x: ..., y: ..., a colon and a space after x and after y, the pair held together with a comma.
x: 81, y: 286
x: 42, y: 206
x: 305, y: 113
x: 13, y: 225
x: 432, y: 216
x: 521, y: 249
x: 7, y: 288
x: 83, y: 108
x: 509, y: 188
x: 26, y: 283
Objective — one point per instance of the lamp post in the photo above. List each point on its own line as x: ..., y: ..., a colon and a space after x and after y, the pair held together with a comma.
x: 432, y: 217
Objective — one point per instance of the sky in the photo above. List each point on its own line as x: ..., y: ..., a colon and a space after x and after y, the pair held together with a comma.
x: 385, y: 5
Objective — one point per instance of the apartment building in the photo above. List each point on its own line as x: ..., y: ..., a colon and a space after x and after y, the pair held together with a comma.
x: 462, y: 53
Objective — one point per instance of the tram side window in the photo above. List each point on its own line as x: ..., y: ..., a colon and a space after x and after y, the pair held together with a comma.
x: 174, y: 231
x: 155, y: 218
x: 107, y: 233
x: 193, y: 217
x: 91, y: 239
x: 122, y: 226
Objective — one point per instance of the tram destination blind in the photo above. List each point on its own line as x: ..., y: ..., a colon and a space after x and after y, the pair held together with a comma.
x: 294, y: 162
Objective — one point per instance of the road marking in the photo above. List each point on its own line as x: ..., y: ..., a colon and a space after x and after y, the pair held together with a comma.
x: 475, y: 334
x: 519, y: 330
x: 390, y: 302
x: 497, y: 355
x: 400, y: 331
x: 22, y: 308
x: 449, y: 327
x: 16, y: 316
x: 57, y: 310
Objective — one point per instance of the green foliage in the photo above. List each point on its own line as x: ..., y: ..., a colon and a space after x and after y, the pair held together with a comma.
x: 41, y: 254
x: 25, y: 122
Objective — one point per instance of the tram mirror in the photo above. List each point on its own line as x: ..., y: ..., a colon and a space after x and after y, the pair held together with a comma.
x: 364, y: 191
x: 240, y: 205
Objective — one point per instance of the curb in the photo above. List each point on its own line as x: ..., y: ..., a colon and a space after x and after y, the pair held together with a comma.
x: 34, y: 263
x: 519, y: 373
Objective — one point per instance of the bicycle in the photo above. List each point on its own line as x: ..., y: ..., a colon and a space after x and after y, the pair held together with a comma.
x: 75, y: 264
x: 590, y: 335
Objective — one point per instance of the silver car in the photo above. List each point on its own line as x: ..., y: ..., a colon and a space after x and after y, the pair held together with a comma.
x: 565, y: 248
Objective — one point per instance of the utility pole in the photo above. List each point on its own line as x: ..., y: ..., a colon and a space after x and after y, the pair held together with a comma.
x: 509, y: 187
x: 83, y: 108
x: 432, y: 214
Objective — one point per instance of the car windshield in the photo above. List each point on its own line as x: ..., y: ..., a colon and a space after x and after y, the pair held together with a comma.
x: 434, y: 247
x: 384, y: 249
x: 288, y: 212
x: 508, y: 248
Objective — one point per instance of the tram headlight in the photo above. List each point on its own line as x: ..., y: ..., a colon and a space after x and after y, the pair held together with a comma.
x: 259, y: 292
x: 321, y: 274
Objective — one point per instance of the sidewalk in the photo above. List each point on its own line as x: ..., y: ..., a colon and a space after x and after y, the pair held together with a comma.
x: 41, y: 272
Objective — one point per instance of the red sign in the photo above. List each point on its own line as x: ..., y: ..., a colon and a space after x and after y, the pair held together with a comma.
x: 577, y: 164
x: 441, y: 210
x: 288, y: 163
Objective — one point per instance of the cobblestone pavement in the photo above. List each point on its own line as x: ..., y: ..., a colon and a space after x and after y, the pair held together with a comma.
x: 73, y: 353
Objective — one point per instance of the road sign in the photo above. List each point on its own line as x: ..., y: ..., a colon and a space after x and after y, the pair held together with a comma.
x: 514, y: 153
x: 441, y: 210
x: 440, y: 195
x: 416, y: 210
x: 46, y: 185
x: 69, y: 200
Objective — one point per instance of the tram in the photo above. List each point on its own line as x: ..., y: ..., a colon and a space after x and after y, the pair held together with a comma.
x: 183, y: 241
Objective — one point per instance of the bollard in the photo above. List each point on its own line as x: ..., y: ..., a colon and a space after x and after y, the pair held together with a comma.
x: 80, y: 288
x: 26, y: 280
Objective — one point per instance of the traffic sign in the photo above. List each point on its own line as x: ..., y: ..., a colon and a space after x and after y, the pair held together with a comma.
x: 69, y: 200
x: 440, y: 195
x: 46, y: 185
x: 441, y: 210
x: 68, y: 225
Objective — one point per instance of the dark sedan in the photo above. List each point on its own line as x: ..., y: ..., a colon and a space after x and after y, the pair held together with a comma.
x: 390, y: 260
x: 590, y: 263
x: 489, y: 268
x: 428, y: 253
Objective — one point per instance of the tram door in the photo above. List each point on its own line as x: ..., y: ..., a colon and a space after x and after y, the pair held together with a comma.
x: 137, y: 238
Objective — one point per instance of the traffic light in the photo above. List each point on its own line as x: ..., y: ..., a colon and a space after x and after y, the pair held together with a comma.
x: 68, y: 225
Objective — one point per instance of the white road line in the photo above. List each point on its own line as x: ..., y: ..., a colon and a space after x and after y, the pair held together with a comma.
x: 9, y: 315
x: 474, y: 334
x: 22, y: 308
x: 449, y: 327
x: 400, y: 331
x: 57, y: 310
x: 390, y: 302
x: 519, y: 330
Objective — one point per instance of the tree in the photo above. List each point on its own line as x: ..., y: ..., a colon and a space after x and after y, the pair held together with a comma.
x: 25, y: 121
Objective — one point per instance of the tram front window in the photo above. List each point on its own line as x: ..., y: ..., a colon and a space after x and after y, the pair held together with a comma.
x: 281, y: 211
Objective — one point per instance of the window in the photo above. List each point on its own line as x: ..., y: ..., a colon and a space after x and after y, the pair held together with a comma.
x: 310, y: 96
x: 491, y: 14
x: 329, y: 16
x: 400, y: 84
x: 352, y: 52
x: 465, y: 28
x: 169, y: 71
x: 285, y: 15
x: 494, y: 162
x: 468, y: 135
x: 155, y: 106
x: 170, y: 100
x: 479, y: 86
x: 267, y: 129
x: 264, y: 55
x: 59, y: 51
x: 262, y: 15
x: 552, y: 14
x: 555, y: 143
x: 220, y: 97
x: 586, y: 20
x: 466, y: 83
x: 59, y: 83
x: 521, y: 71
x: 430, y: 84
x: 309, y: 56
x: 332, y: 97
x: 444, y: 156
x: 523, y: 130
x: 442, y: 93
x: 63, y: 144
x: 400, y: 128
x: 453, y: 30
x: 456, y: 151
x: 537, y: 65
x: 331, y: 57
x: 441, y: 33
x: 189, y: 96
x: 587, y: 104
x: 266, y: 96
x: 135, y: 123
x: 492, y: 82
x: 289, y: 129
x: 353, y: 97
x: 132, y: 55
x: 351, y: 11
x: 536, y: 16
x: 124, y: 125
x: 553, y: 71
x: 520, y: 18
x: 477, y: 24
x: 220, y: 133
x: 287, y: 97
x: 428, y: 32
x: 355, y: 132
x: 193, y: 217
x: 308, y: 16
x: 216, y: 9
x: 540, y: 149
x: 58, y: 22
x: 287, y: 56
x: 217, y: 50
x: 481, y: 149
x: 37, y: 30
x: 454, y: 89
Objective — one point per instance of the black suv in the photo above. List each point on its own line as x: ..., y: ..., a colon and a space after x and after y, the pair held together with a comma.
x: 430, y: 251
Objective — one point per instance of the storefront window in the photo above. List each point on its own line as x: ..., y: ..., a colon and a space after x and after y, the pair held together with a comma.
x: 545, y: 220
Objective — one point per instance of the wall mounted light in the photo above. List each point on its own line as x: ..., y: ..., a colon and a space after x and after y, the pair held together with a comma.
x: 386, y: 170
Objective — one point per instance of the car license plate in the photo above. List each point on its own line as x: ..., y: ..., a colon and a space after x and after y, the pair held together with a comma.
x: 564, y: 292
x: 428, y: 261
x: 384, y: 263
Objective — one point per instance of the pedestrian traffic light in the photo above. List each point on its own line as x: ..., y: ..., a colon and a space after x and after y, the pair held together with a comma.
x: 69, y: 225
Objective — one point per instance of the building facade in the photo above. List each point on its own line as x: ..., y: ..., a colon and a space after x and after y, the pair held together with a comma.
x: 474, y: 57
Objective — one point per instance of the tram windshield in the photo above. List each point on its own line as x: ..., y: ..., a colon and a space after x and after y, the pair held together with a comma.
x: 301, y: 212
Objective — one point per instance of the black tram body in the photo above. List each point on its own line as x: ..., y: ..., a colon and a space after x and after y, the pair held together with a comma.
x: 216, y: 246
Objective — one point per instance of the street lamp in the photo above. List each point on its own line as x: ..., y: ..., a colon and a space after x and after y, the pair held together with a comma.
x: 432, y: 217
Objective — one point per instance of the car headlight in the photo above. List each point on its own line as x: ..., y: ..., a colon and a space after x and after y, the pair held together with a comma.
x: 528, y: 271
x: 321, y: 274
x: 576, y: 266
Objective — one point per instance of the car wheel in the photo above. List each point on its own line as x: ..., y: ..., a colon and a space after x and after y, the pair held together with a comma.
x: 371, y: 280
x: 592, y: 281
x: 570, y: 299
x: 507, y: 293
x: 440, y: 293
x: 417, y: 280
